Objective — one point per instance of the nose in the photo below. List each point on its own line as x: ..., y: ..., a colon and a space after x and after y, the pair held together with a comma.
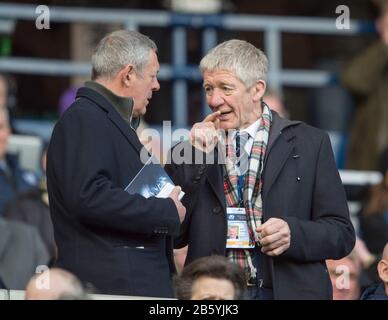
x: 215, y: 100
x: 156, y: 85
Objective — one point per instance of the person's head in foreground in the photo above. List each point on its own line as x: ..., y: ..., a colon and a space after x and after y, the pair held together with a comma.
x: 234, y: 80
x: 382, y: 269
x: 210, y: 278
x: 54, y: 284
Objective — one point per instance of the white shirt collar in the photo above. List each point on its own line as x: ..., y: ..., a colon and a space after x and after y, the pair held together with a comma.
x: 251, y: 130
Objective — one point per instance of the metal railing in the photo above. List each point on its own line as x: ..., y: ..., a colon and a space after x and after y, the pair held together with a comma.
x: 178, y: 71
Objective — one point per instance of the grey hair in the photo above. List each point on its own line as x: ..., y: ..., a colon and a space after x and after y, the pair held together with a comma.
x: 118, y: 49
x: 247, y: 62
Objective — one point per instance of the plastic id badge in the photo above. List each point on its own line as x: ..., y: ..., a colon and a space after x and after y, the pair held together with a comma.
x: 238, y: 235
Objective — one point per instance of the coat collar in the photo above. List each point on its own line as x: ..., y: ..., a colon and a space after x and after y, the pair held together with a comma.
x: 123, y: 105
x: 103, y: 103
x: 277, y: 126
x: 280, y: 145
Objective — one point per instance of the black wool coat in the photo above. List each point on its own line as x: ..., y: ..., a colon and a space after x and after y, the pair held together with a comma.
x: 301, y: 185
x: 119, y: 243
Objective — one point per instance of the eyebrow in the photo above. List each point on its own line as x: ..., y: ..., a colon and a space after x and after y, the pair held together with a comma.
x: 222, y: 83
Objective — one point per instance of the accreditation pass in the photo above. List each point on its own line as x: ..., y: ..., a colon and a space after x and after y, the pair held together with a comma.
x: 238, y: 235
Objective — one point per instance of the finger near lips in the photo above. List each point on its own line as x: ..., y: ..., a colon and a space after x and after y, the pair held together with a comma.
x: 212, y: 117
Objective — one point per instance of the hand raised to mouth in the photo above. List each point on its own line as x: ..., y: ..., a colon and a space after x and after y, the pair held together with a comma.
x: 204, y: 135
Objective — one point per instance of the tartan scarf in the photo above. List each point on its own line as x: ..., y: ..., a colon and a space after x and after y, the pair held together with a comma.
x: 252, y: 189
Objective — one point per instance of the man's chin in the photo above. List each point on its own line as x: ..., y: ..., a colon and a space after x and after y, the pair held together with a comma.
x: 227, y: 125
x: 139, y: 113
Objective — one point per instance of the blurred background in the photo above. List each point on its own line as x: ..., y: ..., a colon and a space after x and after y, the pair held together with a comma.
x: 305, y: 50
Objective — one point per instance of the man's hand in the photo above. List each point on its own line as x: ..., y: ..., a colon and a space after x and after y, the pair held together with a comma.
x: 275, y: 236
x: 174, y: 195
x: 203, y: 135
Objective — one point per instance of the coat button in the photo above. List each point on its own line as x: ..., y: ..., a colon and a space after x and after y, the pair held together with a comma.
x: 217, y: 210
x: 197, y: 179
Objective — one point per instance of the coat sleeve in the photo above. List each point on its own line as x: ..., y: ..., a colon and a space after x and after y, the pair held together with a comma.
x: 329, y: 234
x: 190, y: 177
x: 80, y: 161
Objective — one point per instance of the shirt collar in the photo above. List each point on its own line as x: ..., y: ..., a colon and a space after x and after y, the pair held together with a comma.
x: 251, y: 130
x: 123, y: 105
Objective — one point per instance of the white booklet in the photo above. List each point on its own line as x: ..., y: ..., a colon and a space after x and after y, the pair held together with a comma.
x: 152, y: 181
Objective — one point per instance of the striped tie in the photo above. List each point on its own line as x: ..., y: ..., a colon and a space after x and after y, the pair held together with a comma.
x: 242, y: 156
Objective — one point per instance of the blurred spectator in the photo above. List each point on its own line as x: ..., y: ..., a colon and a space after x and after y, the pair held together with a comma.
x: 210, y: 278
x: 21, y: 252
x: 13, y: 180
x: 7, y: 98
x: 3, y: 91
x: 66, y: 99
x: 55, y: 284
x: 345, y: 275
x: 379, y: 291
x: 275, y: 102
x: 374, y: 213
x: 32, y: 208
x: 368, y: 262
x: 367, y: 77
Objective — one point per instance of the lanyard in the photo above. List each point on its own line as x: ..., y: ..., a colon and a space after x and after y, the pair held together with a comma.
x: 241, y: 178
x: 240, y: 190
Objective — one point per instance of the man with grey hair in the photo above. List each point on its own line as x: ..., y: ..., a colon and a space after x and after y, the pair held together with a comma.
x: 275, y: 180
x: 117, y: 242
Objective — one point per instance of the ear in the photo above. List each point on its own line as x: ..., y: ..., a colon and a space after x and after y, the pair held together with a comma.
x: 259, y: 90
x: 126, y: 75
x: 382, y: 269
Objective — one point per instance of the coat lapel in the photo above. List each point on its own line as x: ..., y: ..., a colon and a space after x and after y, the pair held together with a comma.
x: 215, y: 175
x: 277, y: 156
x: 98, y: 99
x: 126, y: 130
